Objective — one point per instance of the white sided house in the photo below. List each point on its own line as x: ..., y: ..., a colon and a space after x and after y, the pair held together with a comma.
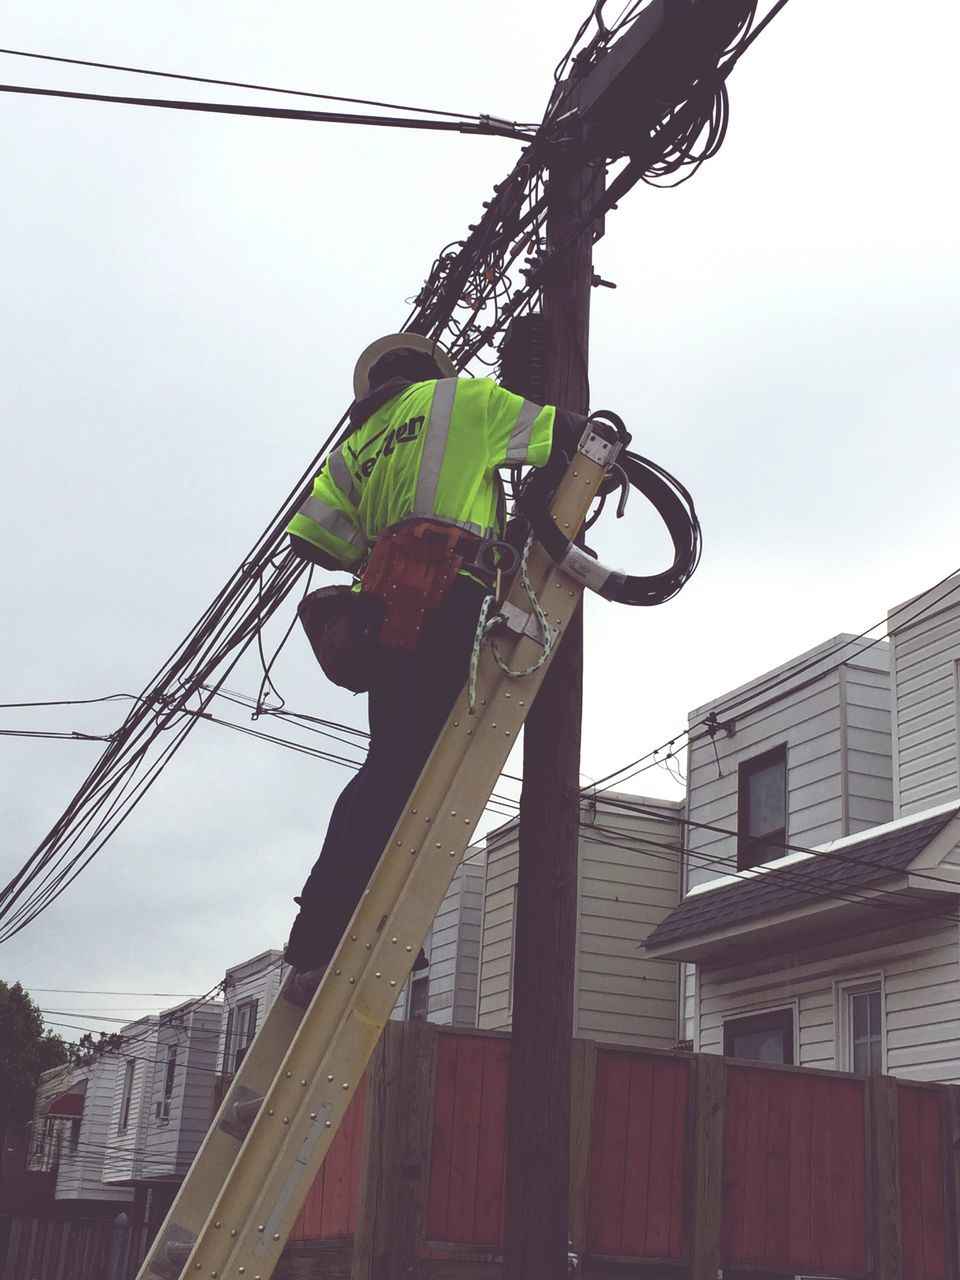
x: 843, y: 951
x: 445, y: 991
x: 249, y: 990
x: 163, y: 1094
x: 629, y: 881
x: 71, y: 1131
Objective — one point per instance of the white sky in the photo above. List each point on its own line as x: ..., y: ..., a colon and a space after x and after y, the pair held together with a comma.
x: 184, y: 298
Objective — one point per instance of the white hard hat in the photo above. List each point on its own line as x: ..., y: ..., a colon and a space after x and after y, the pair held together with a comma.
x: 393, y: 342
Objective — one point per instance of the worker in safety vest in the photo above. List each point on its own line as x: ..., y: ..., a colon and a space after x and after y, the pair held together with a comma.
x: 423, y: 453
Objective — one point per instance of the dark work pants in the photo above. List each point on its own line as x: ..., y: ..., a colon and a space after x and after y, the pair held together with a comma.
x: 408, y: 704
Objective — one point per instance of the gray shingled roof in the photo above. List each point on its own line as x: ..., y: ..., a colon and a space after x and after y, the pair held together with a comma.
x: 828, y: 875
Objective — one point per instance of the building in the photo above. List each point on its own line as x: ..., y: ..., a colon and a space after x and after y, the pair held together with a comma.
x: 629, y: 880
x: 823, y: 863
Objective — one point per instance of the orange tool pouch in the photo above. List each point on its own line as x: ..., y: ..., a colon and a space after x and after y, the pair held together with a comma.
x: 411, y: 569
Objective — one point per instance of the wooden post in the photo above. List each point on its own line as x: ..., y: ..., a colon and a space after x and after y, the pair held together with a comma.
x: 884, y: 1130
x: 582, y: 1086
x: 951, y: 1160
x: 710, y: 1092
x: 538, y: 1104
x: 398, y: 1121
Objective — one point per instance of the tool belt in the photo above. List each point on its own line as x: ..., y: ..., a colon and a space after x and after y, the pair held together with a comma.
x: 411, y: 569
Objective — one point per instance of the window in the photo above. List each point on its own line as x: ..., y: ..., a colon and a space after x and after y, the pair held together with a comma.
x: 163, y: 1106
x: 861, y: 1029
x: 74, y: 1135
x: 762, y: 808
x: 126, y: 1096
x: 761, y: 1037
x: 419, y: 992
x: 241, y: 1028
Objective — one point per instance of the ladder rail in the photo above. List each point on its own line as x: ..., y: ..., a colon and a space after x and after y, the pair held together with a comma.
x: 254, y: 1201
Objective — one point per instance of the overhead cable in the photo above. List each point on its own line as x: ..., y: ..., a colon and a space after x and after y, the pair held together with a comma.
x: 244, y: 84
x: 485, y: 125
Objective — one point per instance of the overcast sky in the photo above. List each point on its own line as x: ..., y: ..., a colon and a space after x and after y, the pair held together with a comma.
x: 183, y: 300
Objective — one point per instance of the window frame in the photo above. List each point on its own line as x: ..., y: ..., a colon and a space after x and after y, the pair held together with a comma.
x: 780, y: 1017
x: 241, y: 1029
x: 169, y: 1082
x: 126, y: 1095
x: 746, y: 843
x: 417, y: 981
x: 845, y: 992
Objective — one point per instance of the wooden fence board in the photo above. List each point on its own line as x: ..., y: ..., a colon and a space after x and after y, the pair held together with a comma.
x: 608, y: 1155
x: 922, y: 1184
x: 638, y: 1132
x: 798, y: 1214
x: 776, y: 1224
x: 885, y: 1164
x: 444, y: 1105
x: 491, y: 1152
x: 466, y: 1140
x: 664, y: 1218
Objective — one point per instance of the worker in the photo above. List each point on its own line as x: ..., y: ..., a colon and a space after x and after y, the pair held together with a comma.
x: 422, y: 454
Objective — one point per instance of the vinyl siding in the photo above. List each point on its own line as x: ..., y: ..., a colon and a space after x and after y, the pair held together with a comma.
x: 256, y: 979
x: 172, y: 1141
x: 124, y: 1159
x: 453, y: 950
x: 80, y: 1172
x: 919, y: 965
x: 926, y: 652
x: 620, y: 996
x: 836, y: 725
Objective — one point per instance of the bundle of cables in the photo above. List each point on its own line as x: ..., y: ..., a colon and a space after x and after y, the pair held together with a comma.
x: 671, y: 500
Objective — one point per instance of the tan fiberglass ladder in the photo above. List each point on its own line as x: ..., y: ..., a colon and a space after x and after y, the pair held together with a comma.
x: 239, y: 1202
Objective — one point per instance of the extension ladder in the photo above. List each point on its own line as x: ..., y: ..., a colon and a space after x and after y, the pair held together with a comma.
x: 240, y: 1200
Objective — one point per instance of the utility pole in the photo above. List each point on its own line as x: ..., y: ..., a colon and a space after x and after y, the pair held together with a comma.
x: 612, y: 108
x: 538, y: 1106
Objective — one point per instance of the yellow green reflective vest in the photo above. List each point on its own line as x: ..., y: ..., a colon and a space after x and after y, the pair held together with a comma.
x: 431, y: 451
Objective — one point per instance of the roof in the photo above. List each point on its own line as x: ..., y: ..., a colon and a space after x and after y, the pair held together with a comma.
x: 845, y: 868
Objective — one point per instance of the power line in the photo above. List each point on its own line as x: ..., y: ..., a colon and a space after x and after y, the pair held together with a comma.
x: 734, y: 707
x: 485, y: 126
x: 887, y: 900
x: 75, y: 736
x: 467, y: 300
x: 243, y: 84
x: 83, y: 991
x: 835, y: 855
x: 67, y: 702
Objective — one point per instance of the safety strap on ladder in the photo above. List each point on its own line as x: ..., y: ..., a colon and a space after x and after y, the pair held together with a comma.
x: 237, y: 1206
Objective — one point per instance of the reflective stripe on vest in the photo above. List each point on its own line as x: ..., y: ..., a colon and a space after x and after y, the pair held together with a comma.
x: 435, y: 448
x: 341, y: 477
x: 334, y: 522
x: 522, y: 432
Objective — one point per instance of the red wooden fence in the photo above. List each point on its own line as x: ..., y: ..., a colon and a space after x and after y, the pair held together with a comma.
x: 817, y: 1171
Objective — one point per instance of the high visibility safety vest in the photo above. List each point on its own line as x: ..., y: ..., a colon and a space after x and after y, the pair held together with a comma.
x: 432, y: 451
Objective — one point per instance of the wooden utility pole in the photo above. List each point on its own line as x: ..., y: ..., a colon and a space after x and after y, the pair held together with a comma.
x: 538, y: 1107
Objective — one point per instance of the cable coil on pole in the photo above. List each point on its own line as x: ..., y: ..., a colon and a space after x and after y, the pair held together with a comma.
x: 667, y: 495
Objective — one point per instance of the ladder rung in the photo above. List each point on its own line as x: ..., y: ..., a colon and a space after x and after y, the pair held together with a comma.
x: 172, y: 1252
x: 302, y: 987
x: 246, y: 1104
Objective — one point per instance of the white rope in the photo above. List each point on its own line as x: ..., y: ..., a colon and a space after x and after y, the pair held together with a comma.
x: 485, y: 624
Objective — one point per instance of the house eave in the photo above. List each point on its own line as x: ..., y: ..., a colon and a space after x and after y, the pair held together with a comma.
x: 770, y: 934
